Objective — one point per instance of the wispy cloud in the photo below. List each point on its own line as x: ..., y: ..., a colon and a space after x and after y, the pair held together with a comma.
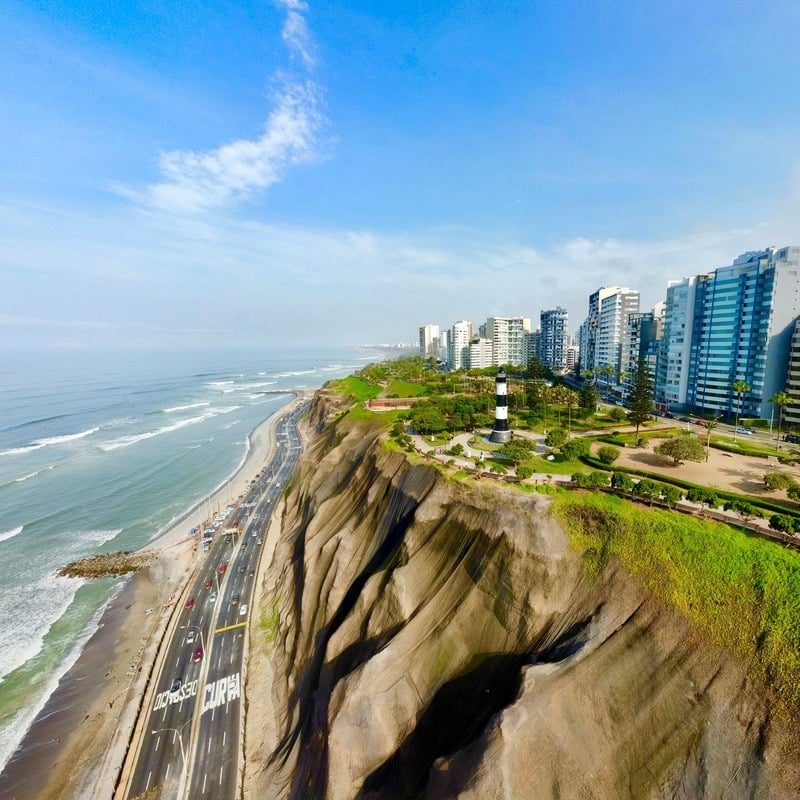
x: 193, y: 182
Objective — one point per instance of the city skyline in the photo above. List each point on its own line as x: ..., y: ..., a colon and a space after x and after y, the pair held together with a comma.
x: 180, y: 174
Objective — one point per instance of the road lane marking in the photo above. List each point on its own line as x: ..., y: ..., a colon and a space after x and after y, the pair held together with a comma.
x: 205, y: 778
x: 220, y: 776
x: 149, y: 775
x: 230, y: 627
x: 158, y: 742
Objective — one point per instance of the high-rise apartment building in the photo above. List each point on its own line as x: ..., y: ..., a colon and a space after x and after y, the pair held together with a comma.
x: 458, y: 339
x: 603, y: 334
x: 554, y: 338
x: 429, y: 341
x: 508, y: 339
x: 672, y: 369
x: 642, y: 339
x: 743, y: 322
x: 791, y: 413
x: 480, y: 353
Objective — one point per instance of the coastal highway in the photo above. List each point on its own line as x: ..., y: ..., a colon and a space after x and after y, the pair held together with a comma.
x: 192, y: 735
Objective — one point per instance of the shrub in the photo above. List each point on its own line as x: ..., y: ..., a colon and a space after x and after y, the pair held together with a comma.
x: 556, y: 437
x: 783, y: 522
x: 776, y: 481
x: 608, y: 454
x: 706, y: 497
x: 575, y: 448
x: 618, y: 414
x: 524, y: 472
x: 622, y: 481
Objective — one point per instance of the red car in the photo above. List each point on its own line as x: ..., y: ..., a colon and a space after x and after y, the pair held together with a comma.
x: 198, y: 653
x: 190, y: 604
x: 222, y: 567
x: 209, y: 583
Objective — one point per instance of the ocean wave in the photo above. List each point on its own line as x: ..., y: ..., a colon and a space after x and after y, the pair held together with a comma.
x: 11, y: 534
x: 38, y: 444
x: 298, y: 372
x: 217, y: 384
x: 185, y: 408
x: 23, y: 478
x: 248, y: 387
x: 12, y: 734
x: 127, y: 441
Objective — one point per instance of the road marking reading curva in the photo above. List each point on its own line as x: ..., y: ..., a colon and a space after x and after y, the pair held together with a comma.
x: 221, y: 692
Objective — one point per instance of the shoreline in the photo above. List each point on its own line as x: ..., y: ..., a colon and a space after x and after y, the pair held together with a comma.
x: 77, y: 743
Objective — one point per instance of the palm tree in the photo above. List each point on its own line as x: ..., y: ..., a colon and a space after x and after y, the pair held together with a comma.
x: 607, y: 371
x: 780, y: 399
x: 622, y: 377
x: 709, y: 424
x: 740, y: 387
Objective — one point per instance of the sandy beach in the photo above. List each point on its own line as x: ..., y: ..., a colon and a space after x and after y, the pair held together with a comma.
x: 77, y: 744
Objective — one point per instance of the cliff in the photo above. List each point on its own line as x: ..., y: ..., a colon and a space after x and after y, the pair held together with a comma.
x: 425, y: 638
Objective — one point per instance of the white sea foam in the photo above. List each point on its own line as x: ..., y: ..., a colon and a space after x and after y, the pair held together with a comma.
x: 38, y: 444
x: 217, y: 384
x: 298, y: 372
x: 12, y: 734
x: 23, y: 478
x: 11, y: 534
x: 186, y: 407
x: 127, y: 441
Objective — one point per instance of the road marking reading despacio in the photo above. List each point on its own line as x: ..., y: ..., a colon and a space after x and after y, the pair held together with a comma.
x: 221, y: 692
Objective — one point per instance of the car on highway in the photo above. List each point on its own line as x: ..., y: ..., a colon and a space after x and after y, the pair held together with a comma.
x: 176, y: 686
x: 235, y: 599
x: 242, y: 609
x: 213, y: 596
x: 190, y: 604
x: 242, y: 568
x: 198, y: 653
x: 222, y: 567
x: 745, y: 429
x: 209, y: 583
x: 191, y: 636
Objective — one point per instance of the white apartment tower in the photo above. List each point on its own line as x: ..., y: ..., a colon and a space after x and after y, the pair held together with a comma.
x: 603, y: 334
x: 554, y: 339
x: 508, y: 335
x: 429, y: 341
x: 672, y: 370
x: 480, y: 353
x: 458, y: 339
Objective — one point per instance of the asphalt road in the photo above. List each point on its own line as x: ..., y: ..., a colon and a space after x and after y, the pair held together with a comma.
x: 192, y: 739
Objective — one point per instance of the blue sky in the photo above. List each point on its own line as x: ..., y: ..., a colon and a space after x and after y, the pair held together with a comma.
x: 289, y: 171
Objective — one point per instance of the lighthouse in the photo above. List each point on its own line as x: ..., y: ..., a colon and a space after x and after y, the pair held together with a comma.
x: 500, y: 432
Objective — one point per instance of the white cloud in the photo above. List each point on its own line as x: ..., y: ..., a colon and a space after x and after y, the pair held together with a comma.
x: 193, y: 182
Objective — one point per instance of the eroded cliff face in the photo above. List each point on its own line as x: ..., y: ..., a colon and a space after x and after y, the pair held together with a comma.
x: 432, y: 640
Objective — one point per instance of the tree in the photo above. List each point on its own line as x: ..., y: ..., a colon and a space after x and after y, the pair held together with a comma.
x: 709, y: 424
x: 608, y: 454
x: 589, y: 396
x: 703, y: 496
x: 428, y: 419
x: 647, y: 488
x: 556, y: 437
x: 641, y: 396
x: 524, y: 472
x: 622, y: 377
x: 780, y: 399
x: 740, y: 387
x: 622, y: 481
x: 497, y: 468
x: 783, y: 522
x: 516, y: 450
x: 680, y: 449
x: 671, y: 494
x: 575, y: 448
x: 741, y: 507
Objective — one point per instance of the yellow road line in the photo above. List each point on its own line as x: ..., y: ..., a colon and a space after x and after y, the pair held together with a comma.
x: 230, y: 627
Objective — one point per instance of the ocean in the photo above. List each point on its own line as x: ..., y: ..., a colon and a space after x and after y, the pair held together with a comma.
x: 100, y: 452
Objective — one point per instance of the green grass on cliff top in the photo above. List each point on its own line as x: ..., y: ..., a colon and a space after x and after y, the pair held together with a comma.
x: 400, y: 388
x: 357, y: 388
x: 736, y: 590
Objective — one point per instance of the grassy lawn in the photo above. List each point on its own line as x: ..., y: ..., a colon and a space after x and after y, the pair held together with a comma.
x: 558, y: 466
x: 399, y: 388
x: 357, y: 388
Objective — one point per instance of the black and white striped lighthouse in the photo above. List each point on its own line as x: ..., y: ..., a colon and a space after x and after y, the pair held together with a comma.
x: 500, y: 432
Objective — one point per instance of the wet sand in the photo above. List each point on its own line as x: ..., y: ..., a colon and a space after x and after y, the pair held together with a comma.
x: 77, y: 744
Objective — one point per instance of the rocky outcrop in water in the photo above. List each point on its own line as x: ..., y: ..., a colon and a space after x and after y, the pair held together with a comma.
x: 432, y: 639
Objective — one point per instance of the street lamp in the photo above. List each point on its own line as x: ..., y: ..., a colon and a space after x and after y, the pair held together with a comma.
x: 177, y: 732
